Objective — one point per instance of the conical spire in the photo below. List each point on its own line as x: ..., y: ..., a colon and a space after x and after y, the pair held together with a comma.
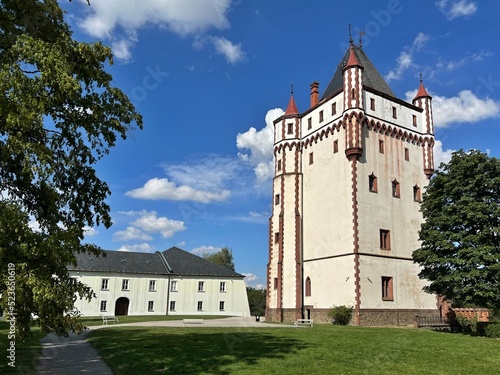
x: 291, y: 109
x: 422, y: 92
x: 353, y: 60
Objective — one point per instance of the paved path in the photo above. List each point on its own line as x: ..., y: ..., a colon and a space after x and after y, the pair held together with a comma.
x: 74, y: 355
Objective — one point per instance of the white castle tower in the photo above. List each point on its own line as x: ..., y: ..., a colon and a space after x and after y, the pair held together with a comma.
x: 349, y: 172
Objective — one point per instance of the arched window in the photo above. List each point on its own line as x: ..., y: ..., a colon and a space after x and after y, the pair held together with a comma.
x: 308, y: 286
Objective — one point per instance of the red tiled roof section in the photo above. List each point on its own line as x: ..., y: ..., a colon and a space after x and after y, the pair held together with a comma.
x: 353, y: 61
x: 292, y: 107
x: 422, y: 92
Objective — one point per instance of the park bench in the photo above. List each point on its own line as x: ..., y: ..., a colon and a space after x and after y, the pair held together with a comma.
x: 194, y: 322
x: 303, y: 322
x: 433, y: 322
x: 109, y: 318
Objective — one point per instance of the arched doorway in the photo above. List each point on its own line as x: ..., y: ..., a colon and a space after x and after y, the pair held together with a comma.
x: 121, y: 306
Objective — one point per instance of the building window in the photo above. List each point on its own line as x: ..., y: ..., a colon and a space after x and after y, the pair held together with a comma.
x: 290, y: 128
x: 394, y: 112
x: 311, y: 158
x: 222, y: 287
x: 151, y: 305
x: 387, y: 293
x: 221, y: 306
x: 152, y: 285
x: 372, y: 104
x: 104, y: 284
x: 334, y: 109
x: 275, y: 283
x: 385, y: 239
x: 309, y: 123
x: 173, y: 286
x: 277, y: 199
x: 335, y: 146
x: 407, y: 154
x: 200, y: 306
x: 172, y: 306
x: 124, y: 284
x: 276, y: 237
x: 414, y: 120
x: 320, y: 116
x: 416, y: 194
x: 381, y: 146
x: 308, y: 286
x: 353, y: 94
x: 372, y: 183
x: 104, y: 305
x: 201, y: 286
x: 395, y: 189
x: 279, y: 165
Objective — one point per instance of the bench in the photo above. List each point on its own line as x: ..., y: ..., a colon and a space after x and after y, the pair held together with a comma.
x: 433, y: 322
x: 109, y: 318
x: 303, y: 322
x: 194, y: 322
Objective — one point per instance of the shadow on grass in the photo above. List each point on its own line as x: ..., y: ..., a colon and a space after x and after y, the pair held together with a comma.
x: 189, y: 352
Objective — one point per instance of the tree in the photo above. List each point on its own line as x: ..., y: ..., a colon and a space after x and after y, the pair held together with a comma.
x: 460, y: 252
x: 224, y: 257
x: 59, y: 114
x: 256, y: 301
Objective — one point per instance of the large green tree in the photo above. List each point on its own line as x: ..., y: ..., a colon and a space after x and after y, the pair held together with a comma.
x: 460, y: 253
x: 59, y: 114
x: 224, y: 257
x: 256, y: 301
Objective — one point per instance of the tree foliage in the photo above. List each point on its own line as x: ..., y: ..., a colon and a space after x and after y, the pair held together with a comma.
x: 256, y: 301
x: 460, y: 253
x: 224, y: 257
x: 59, y: 114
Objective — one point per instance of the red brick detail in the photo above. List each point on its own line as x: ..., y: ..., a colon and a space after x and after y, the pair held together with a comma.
x: 355, y: 221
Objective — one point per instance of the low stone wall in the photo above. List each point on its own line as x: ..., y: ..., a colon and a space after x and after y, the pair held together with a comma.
x: 482, y: 315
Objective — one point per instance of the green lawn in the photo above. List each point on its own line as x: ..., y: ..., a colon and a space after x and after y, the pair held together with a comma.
x: 97, y: 320
x: 323, y: 349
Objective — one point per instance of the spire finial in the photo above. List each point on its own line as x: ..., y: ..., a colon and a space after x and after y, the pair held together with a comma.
x: 420, y: 77
x: 292, y: 89
x: 361, y: 34
x: 351, y: 42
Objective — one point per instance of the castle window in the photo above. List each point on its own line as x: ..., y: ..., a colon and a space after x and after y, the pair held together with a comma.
x: 275, y: 283
x: 381, y: 146
x: 416, y: 194
x: 414, y: 120
x: 152, y: 285
x: 335, y: 146
x: 309, y: 123
x: 394, y: 112
x: 172, y: 306
x: 151, y: 305
x: 334, y: 109
x: 353, y: 94
x: 221, y: 306
x: 385, y: 239
x: 104, y: 305
x: 104, y: 284
x: 279, y: 165
x: 311, y: 158
x: 395, y: 189
x: 222, y: 287
x: 372, y: 104
x: 407, y: 154
x: 276, y: 237
x: 173, y: 286
x: 290, y: 128
x: 201, y: 286
x: 372, y: 183
x: 308, y: 286
x: 387, y: 292
x: 200, y: 306
x: 124, y: 284
x: 277, y: 199
x: 320, y: 116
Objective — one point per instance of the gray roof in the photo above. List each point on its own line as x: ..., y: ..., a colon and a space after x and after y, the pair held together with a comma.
x: 371, y: 76
x: 173, y: 261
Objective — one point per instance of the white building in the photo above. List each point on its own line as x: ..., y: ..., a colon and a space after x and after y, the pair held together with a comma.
x: 349, y: 172
x: 172, y: 282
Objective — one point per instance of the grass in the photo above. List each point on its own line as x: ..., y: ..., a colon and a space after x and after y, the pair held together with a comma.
x: 26, y: 352
x: 97, y: 320
x: 323, y: 349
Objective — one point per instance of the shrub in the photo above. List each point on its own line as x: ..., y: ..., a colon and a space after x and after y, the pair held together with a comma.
x: 492, y: 330
x: 466, y: 324
x: 341, y: 315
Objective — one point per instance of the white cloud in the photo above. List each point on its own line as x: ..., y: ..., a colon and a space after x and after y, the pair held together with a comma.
x: 405, y: 59
x: 131, y: 233
x: 453, y: 65
x: 249, y: 277
x: 120, y: 24
x: 162, y: 188
x: 232, y: 52
x: 465, y: 107
x: 205, y: 250
x: 149, y: 222
x: 141, y: 248
x: 440, y: 155
x: 89, y: 231
x: 253, y: 217
x: 456, y: 9
x: 260, y: 145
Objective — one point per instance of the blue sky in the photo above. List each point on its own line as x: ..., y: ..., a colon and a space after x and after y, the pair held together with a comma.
x: 209, y: 76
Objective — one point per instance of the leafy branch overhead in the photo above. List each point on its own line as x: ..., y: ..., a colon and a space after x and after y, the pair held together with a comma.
x: 460, y: 253
x: 59, y: 114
